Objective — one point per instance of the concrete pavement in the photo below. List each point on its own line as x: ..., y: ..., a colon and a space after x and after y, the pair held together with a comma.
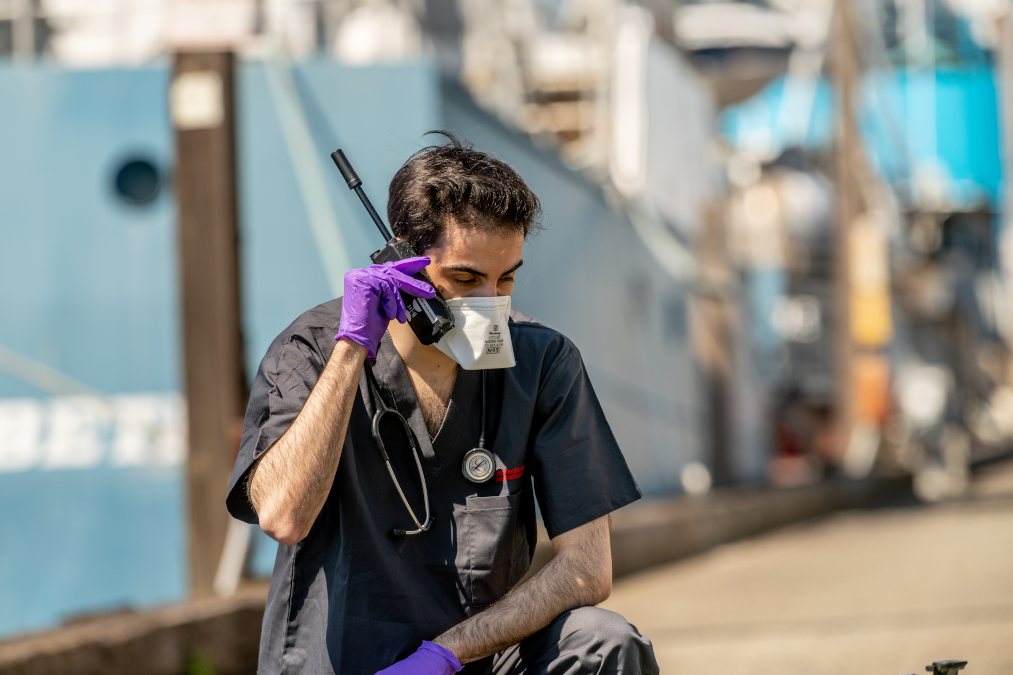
x: 882, y: 592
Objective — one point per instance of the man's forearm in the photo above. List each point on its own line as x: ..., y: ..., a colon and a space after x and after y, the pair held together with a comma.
x: 578, y: 576
x: 291, y: 481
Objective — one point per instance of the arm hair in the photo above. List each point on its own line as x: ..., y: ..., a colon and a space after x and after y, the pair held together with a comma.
x: 291, y: 480
x: 579, y: 575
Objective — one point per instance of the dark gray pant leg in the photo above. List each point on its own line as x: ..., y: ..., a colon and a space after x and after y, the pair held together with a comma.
x: 585, y: 641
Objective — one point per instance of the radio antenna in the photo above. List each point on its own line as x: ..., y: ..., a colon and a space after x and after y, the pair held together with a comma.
x: 355, y: 184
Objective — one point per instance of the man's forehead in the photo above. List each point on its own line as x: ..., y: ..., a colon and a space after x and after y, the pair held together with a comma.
x: 483, y: 234
x: 489, y: 251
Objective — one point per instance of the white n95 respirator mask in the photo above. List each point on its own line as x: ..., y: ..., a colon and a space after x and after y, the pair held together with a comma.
x: 480, y: 338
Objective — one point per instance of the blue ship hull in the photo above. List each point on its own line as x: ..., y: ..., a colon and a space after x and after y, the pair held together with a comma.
x: 91, y: 409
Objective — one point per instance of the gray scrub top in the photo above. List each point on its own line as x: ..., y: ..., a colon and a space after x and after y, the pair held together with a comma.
x: 351, y: 598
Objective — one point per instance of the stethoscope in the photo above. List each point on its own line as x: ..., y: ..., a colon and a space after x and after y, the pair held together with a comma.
x: 478, y: 466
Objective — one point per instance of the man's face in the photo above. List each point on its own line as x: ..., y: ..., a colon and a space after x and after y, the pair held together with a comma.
x: 475, y: 262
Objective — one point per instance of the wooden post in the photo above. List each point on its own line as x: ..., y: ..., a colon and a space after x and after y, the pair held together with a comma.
x: 1005, y: 69
x: 849, y: 203
x: 201, y: 103
x: 713, y: 342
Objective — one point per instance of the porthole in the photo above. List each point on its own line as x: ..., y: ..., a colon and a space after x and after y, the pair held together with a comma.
x: 137, y: 182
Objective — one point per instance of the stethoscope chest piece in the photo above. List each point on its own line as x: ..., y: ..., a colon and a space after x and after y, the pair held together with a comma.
x: 479, y: 465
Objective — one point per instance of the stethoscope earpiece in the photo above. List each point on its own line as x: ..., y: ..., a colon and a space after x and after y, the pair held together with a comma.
x: 400, y: 533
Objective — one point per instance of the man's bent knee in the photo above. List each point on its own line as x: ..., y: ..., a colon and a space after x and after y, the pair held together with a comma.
x: 595, y: 620
x: 609, y: 635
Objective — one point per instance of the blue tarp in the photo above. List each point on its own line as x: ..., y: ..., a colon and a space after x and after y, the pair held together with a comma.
x: 944, y: 120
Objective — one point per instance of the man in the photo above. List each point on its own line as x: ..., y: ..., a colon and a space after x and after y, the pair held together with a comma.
x: 362, y: 581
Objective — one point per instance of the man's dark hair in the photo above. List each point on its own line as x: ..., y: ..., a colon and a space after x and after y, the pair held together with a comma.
x: 455, y: 181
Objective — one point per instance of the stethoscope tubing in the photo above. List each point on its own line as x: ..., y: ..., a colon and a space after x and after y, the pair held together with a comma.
x: 382, y: 409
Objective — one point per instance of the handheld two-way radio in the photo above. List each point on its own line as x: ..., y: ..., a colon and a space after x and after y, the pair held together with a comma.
x: 430, y: 319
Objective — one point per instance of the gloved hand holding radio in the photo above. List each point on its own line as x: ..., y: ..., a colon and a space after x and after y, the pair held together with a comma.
x: 430, y: 659
x: 372, y: 300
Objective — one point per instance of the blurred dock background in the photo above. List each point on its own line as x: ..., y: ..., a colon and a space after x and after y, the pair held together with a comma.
x: 778, y: 231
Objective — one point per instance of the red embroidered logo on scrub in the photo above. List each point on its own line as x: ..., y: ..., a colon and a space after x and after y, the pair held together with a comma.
x: 509, y: 474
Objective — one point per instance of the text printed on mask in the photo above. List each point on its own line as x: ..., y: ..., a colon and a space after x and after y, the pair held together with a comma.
x: 494, y: 343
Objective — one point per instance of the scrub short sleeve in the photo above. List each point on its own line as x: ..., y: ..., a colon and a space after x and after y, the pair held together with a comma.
x: 284, y: 381
x: 579, y: 472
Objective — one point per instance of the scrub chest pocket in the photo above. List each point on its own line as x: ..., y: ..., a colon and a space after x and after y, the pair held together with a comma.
x: 497, y: 555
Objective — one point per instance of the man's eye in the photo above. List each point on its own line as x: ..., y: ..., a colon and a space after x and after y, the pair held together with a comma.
x: 507, y: 280
x: 468, y: 281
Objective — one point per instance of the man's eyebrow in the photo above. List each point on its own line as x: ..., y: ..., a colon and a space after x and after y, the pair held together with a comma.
x: 464, y: 269
x: 514, y: 268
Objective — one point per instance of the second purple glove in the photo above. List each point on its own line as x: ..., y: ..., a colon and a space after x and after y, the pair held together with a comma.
x: 430, y: 659
x: 372, y: 299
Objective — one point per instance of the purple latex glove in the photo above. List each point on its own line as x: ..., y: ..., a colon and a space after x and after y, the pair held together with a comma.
x: 430, y: 659
x: 371, y: 300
